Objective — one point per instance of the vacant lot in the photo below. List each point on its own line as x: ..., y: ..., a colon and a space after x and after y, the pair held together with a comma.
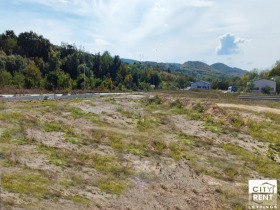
x: 161, y: 150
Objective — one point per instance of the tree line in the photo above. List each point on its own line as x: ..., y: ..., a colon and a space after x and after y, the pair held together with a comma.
x: 31, y: 61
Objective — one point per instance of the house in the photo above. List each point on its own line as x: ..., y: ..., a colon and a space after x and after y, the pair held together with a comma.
x: 258, y: 85
x: 201, y: 85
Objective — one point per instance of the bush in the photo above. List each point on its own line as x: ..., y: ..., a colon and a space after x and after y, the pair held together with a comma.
x: 5, y: 78
x: 177, y: 104
x: 19, y: 79
x: 32, y: 75
x: 266, y: 90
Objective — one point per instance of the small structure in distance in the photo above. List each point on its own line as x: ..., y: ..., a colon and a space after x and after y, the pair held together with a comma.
x: 259, y: 85
x: 233, y: 89
x: 201, y: 85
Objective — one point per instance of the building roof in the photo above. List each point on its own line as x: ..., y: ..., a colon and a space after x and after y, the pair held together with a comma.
x: 264, y: 79
x: 201, y: 81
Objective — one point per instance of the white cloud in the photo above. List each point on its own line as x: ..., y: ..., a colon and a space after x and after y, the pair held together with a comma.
x: 101, y: 42
x: 229, y: 44
x: 187, y: 29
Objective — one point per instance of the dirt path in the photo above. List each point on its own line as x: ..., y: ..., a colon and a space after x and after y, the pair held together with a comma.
x: 251, y: 108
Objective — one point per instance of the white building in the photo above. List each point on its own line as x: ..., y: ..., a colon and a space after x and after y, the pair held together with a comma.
x: 201, y: 85
x: 260, y: 84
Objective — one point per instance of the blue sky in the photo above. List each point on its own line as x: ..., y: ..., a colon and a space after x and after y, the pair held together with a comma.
x: 239, y: 33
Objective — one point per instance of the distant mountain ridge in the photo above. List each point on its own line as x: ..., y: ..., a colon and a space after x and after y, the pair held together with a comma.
x: 196, y: 69
x: 229, y: 70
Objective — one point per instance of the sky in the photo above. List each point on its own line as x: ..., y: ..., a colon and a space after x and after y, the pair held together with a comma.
x: 239, y: 33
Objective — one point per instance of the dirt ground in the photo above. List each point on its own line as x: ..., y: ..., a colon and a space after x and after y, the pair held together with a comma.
x: 251, y: 108
x: 138, y: 151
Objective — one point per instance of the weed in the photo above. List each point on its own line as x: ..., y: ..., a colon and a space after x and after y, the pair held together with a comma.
x: 25, y: 141
x: 109, y: 164
x: 264, y: 131
x: 5, y: 136
x: 76, y: 112
x: 175, y: 151
x: 27, y: 182
x: 90, y: 103
x: 59, y: 157
x: 177, y: 103
x: 52, y: 126
x: 231, y: 172
x: 236, y: 120
x: 79, y: 199
x: 112, y: 185
x: 129, y: 113
x: 199, y: 108
x: 156, y: 100
x: 11, y: 116
x: 117, y: 144
x: 159, y: 145
x: 148, y: 122
x: 263, y: 165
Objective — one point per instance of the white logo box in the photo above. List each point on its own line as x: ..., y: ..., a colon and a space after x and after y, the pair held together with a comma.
x: 263, y: 186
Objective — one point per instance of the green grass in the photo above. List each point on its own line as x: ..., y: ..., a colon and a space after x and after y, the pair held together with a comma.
x: 27, y: 182
x: 25, y: 141
x: 117, y: 144
x: 76, y: 112
x: 52, y: 126
x: 159, y: 145
x: 129, y: 113
x: 233, y: 197
x: 79, y: 199
x: 236, y: 120
x: 264, y: 131
x: 175, y: 151
x: 261, y: 164
x: 68, y: 158
x: 110, y: 165
x: 112, y: 185
x: 90, y: 103
x: 60, y: 157
x: 10, y: 116
x: 155, y: 100
x: 5, y: 136
x: 148, y: 122
x: 3, y: 105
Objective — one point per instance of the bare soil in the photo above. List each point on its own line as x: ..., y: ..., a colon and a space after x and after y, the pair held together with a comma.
x: 128, y: 128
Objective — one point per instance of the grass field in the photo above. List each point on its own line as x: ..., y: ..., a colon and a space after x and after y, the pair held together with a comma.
x: 159, y: 150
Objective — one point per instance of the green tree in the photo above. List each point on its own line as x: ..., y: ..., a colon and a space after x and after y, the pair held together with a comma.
x: 32, y: 75
x: 275, y: 71
x: 34, y: 45
x: 8, y: 42
x: 181, y: 82
x: 5, y: 78
x: 18, y: 80
x: 266, y: 90
x: 80, y: 82
x: 250, y: 86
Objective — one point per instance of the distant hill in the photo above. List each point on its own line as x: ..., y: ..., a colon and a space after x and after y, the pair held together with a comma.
x: 196, y: 69
x: 165, y: 66
x: 128, y: 61
x: 229, y: 70
x: 200, y: 70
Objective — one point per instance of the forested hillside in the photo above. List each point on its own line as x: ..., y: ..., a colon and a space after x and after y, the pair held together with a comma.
x: 196, y: 69
x: 228, y: 70
x: 31, y: 61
